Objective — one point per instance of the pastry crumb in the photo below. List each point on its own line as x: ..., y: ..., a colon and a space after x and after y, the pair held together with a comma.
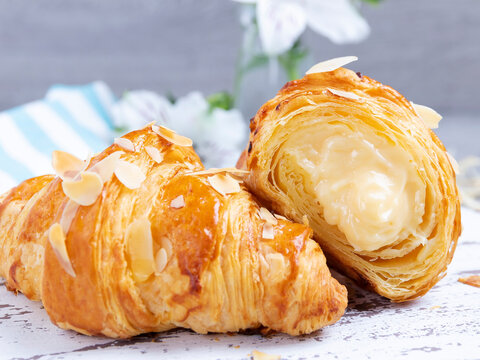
x: 473, y: 280
x: 258, y: 355
x: 266, y: 331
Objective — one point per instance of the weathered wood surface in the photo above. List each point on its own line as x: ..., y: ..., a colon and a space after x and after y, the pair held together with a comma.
x: 444, y: 324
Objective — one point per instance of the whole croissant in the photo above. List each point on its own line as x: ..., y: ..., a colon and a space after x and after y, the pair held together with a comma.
x: 375, y: 182
x: 147, y: 241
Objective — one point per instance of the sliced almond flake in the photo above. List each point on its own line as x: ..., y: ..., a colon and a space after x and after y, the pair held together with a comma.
x: 305, y: 220
x: 106, y: 167
x: 224, y: 184
x: 277, y: 265
x: 167, y: 245
x: 56, y: 237
x: 258, y: 355
x: 190, y: 166
x: 129, y: 174
x: 149, y: 125
x: 429, y: 116
x: 172, y: 136
x: 66, y: 164
x: 84, y: 191
x: 455, y: 166
x: 161, y: 260
x: 124, y: 143
x: 344, y: 94
x: 154, y: 153
x: 75, y: 175
x: 473, y: 280
x: 138, y: 238
x: 68, y: 214
x: 219, y: 170
x: 178, y: 202
x: 267, y: 216
x: 264, y: 262
x: 267, y: 231
x: 332, y: 64
x: 280, y: 217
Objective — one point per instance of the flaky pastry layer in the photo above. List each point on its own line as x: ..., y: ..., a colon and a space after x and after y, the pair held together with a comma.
x: 375, y: 183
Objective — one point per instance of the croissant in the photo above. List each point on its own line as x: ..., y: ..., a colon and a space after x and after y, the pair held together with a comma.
x: 359, y: 161
x: 141, y: 238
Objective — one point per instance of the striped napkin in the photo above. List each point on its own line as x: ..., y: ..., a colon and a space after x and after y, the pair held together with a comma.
x: 76, y: 119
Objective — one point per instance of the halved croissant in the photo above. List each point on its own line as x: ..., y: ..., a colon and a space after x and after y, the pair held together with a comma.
x: 374, y: 181
x: 158, y: 245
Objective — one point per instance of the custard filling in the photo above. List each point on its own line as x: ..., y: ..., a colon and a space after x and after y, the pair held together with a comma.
x: 367, y: 186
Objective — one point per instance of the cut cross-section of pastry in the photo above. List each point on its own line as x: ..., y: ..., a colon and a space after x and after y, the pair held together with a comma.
x: 361, y: 163
x: 130, y: 245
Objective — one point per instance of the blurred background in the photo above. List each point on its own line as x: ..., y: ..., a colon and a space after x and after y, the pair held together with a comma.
x: 428, y: 50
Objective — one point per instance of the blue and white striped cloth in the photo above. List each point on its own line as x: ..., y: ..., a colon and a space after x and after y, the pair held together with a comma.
x: 76, y: 119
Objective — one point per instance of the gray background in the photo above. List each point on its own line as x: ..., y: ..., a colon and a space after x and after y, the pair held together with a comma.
x: 427, y: 49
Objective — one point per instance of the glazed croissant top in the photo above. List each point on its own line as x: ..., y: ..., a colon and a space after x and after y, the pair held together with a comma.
x: 360, y: 162
x: 141, y: 239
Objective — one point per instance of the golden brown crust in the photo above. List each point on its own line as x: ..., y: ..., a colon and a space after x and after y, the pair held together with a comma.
x: 380, y: 109
x: 220, y: 274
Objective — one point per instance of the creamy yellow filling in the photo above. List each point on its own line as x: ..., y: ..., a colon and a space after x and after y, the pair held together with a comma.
x: 368, y: 187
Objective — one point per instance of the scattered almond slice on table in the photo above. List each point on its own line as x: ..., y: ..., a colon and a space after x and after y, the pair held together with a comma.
x: 224, y: 184
x: 84, y: 191
x: 124, y: 144
x: 332, y: 64
x: 129, y: 174
x: 140, y: 249
x: 473, y: 280
x: 56, y: 237
x: 429, y: 116
x: 258, y: 355
x: 66, y: 165
x: 172, y: 136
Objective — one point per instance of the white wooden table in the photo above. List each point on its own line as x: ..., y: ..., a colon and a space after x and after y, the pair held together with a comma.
x: 444, y: 324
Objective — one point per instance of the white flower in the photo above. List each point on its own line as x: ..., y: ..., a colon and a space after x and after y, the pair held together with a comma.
x: 137, y: 108
x: 281, y: 22
x: 218, y: 135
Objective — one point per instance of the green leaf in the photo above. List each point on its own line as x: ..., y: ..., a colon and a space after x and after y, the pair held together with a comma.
x: 290, y: 60
x: 256, y: 61
x: 373, y: 2
x: 222, y: 100
x: 170, y: 97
